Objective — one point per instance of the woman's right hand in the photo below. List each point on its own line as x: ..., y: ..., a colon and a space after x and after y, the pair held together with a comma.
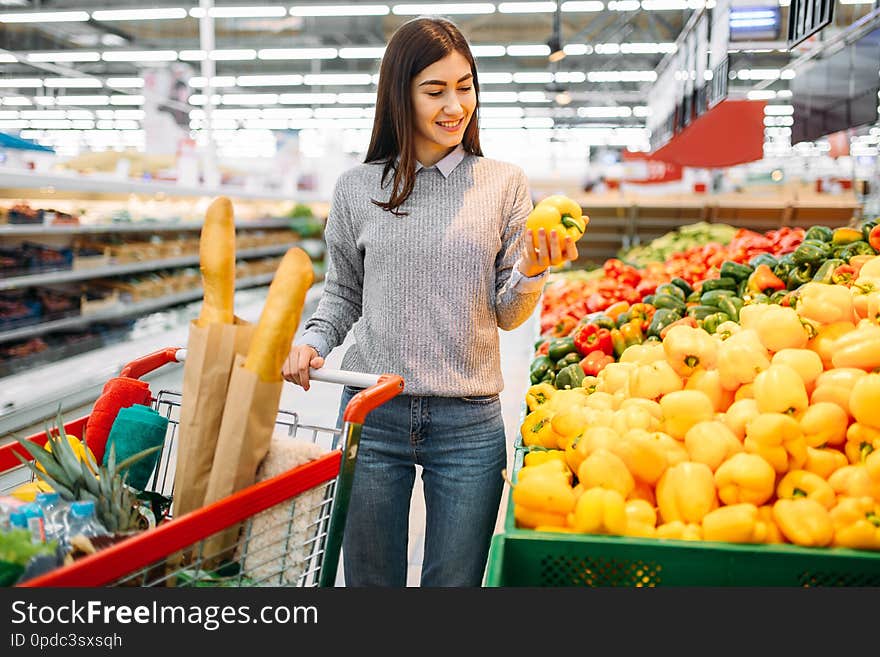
x: 297, y: 364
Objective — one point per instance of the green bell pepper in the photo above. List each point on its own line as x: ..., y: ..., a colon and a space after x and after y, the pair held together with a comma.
x: 569, y: 377
x: 735, y: 270
x: 669, y: 301
x: 823, y: 274
x: 760, y: 298
x: 601, y: 320
x: 763, y: 259
x: 647, y: 299
x: 623, y: 318
x: 568, y: 359
x: 711, y: 323
x: 858, y: 247
x: 693, y: 297
x: 662, y: 318
x: 867, y: 227
x: 539, y: 368
x: 809, y: 254
x: 713, y: 297
x: 701, y: 312
x: 731, y: 305
x: 559, y: 347
x: 821, y: 233
x: 670, y: 289
x: 799, y: 275
x: 777, y: 296
x: 723, y: 283
x: 683, y: 284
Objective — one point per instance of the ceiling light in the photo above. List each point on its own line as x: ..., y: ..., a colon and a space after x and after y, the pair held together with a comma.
x: 127, y: 99
x: 249, y: 99
x: 340, y: 10
x: 528, y: 51
x: 21, y: 83
x: 233, y: 55
x: 761, y: 94
x: 338, y: 78
x: 578, y: 49
x: 624, y: 5
x: 488, y: 51
x: 46, y: 17
x: 138, y: 14
x: 591, y: 5
x: 362, y: 53
x: 198, y: 82
x: 526, y: 7
x: 356, y: 99
x: 73, y: 83
x: 444, y: 9
x: 16, y: 101
x: 575, y: 77
x: 139, y: 55
x: 297, y: 53
x: 498, y: 97
x: 240, y: 12
x: 125, y: 83
x: 60, y: 57
x: 532, y: 97
x: 44, y: 100
x: 269, y: 80
x: 664, y: 5
x: 307, y: 99
x: 83, y: 100
x: 192, y: 55
x: 533, y: 78
x: 496, y: 78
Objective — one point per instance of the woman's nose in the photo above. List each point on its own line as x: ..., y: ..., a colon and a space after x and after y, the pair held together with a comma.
x: 452, y: 106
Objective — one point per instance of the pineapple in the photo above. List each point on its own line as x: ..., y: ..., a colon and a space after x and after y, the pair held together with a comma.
x: 74, y: 479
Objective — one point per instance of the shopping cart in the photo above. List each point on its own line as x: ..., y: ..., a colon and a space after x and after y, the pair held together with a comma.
x: 291, y: 525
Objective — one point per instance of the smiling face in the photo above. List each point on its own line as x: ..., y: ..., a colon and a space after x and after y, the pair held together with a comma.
x: 443, y: 101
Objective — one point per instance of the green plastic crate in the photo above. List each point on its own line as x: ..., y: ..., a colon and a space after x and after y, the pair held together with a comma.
x: 524, y: 557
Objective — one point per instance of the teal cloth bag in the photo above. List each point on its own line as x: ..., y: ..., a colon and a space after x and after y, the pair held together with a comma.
x: 135, y: 429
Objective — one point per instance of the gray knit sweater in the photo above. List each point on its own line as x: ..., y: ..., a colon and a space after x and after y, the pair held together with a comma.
x: 425, y: 294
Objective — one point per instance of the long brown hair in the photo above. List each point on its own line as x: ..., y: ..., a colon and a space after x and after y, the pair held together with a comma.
x: 413, y: 47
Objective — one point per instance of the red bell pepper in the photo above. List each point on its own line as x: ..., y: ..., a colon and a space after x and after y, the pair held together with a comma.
x: 874, y: 238
x: 544, y: 349
x: 843, y: 275
x: 595, y: 361
x: 684, y: 321
x: 593, y: 338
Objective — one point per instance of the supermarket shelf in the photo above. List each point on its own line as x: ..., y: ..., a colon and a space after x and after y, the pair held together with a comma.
x: 121, y: 311
x: 66, y: 276
x: 132, y: 227
x: 75, y: 382
x: 107, y: 185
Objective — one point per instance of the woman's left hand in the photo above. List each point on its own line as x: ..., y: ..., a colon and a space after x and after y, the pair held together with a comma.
x: 543, y: 251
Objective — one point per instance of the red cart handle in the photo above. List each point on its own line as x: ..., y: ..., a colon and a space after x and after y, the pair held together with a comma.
x: 146, y: 364
x: 388, y: 387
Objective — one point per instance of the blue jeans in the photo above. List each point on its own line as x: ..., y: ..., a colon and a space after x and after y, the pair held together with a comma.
x: 461, y: 446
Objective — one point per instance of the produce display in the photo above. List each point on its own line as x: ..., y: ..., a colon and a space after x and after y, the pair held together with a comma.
x: 740, y: 405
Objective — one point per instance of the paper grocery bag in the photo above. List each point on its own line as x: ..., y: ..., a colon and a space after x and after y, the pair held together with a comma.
x: 245, y: 433
x: 211, y: 353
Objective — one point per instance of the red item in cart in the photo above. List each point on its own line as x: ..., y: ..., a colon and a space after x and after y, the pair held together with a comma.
x: 120, y: 392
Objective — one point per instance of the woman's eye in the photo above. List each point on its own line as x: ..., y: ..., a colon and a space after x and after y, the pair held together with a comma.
x: 434, y: 93
x: 464, y: 89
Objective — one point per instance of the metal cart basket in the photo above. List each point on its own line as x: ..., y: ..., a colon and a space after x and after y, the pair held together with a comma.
x: 291, y: 525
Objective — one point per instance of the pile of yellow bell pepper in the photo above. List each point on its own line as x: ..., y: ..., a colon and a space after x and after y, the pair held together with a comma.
x: 767, y: 432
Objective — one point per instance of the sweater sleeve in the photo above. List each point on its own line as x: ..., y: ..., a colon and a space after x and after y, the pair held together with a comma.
x: 514, y: 300
x: 340, y: 304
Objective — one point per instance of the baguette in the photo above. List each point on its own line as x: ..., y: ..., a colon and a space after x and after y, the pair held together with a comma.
x: 281, y: 314
x: 217, y: 263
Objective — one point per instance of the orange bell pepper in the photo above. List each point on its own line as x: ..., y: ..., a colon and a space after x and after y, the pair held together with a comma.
x: 859, y: 348
x: 686, y: 492
x: 745, y: 478
x: 800, y: 483
x: 804, y: 522
x: 778, y: 439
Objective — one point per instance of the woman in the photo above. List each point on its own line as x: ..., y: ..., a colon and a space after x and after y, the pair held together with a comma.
x: 427, y: 259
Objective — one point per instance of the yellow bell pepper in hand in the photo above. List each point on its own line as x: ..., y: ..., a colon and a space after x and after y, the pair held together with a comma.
x: 856, y: 523
x: 823, y: 342
x: 823, y: 424
x: 861, y: 441
x: 737, y: 523
x: 682, y: 409
x: 824, y: 461
x: 864, y: 400
x: 641, y: 519
x: 653, y: 380
x: 745, y: 478
x: 643, y: 454
x: 801, y: 483
x: 740, y: 359
x: 804, y: 522
x: 855, y: 481
x: 539, y: 394
x: 688, y: 348
x: 555, y: 210
x: 804, y: 361
x: 599, y: 511
x: 778, y: 327
x: 711, y: 443
x: 739, y: 415
x: 537, y: 430
x: 604, y: 469
x: 825, y: 303
x: 778, y: 439
x: 680, y: 531
x: 780, y: 389
x: 686, y: 492
x: 859, y: 348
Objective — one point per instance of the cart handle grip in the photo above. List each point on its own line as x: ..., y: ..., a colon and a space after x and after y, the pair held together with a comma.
x: 146, y: 364
x: 378, y: 389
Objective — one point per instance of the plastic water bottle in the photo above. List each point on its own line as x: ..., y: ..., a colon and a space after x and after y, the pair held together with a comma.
x: 54, y: 513
x: 18, y: 520
x: 82, y: 521
x: 36, y: 522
